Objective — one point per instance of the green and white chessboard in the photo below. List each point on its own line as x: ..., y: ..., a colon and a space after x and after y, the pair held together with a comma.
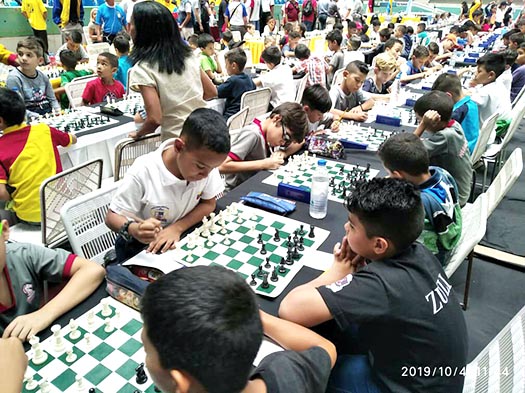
x: 300, y: 170
x: 232, y: 242
x: 371, y: 137
x: 107, y: 364
x: 76, y: 121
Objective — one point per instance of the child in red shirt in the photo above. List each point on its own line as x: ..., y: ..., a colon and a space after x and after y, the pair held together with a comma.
x: 105, y: 87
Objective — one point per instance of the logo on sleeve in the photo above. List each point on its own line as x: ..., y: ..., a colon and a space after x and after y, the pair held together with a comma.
x: 340, y: 284
x: 28, y: 290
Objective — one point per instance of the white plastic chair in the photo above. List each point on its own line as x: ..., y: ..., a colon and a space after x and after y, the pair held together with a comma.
x: 257, y: 101
x: 128, y: 149
x: 97, y: 48
x: 300, y: 88
x: 338, y: 77
x: 474, y: 226
x: 75, y: 89
x: 481, y: 146
x: 84, y: 222
x: 499, y: 367
x: 54, y: 193
x: 238, y: 120
x: 236, y: 35
x: 518, y: 97
x: 506, y: 178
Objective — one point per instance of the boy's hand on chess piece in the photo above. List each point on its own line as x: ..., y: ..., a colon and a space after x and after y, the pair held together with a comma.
x: 145, y: 231
x: 26, y: 326
x: 430, y: 118
x: 274, y: 161
x: 165, y: 240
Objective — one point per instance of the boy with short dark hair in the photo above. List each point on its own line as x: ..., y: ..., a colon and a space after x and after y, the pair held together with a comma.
x: 422, y: 35
x: 237, y: 84
x: 226, y: 40
x: 414, y: 68
x: 518, y: 75
x: 225, y: 335
x: 314, y: 67
x: 209, y: 62
x: 23, y: 269
x: 69, y: 63
x: 404, y: 156
x: 487, y: 94
x: 252, y: 151
x: 74, y: 44
x: 171, y: 189
x: 446, y: 146
x: 293, y: 40
x: 193, y: 42
x: 465, y: 111
x: 335, y: 38
x: 505, y: 78
x: 401, y: 306
x: 121, y: 45
x: 401, y: 34
x: 348, y: 101
x: 279, y: 79
x: 105, y: 87
x: 515, y: 40
x: 31, y: 83
x: 28, y: 156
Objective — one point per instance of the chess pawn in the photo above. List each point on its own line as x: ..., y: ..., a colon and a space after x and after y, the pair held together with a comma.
x: 31, y: 384
x: 71, y: 356
x: 87, y: 337
x: 81, y: 387
x: 44, y: 386
x: 58, y: 341
x: 91, y: 318
x: 108, y: 328
x: 39, y: 356
x: 106, y: 310
x: 74, y: 334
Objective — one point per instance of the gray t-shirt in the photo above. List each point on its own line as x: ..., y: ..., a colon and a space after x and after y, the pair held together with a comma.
x: 337, y: 62
x: 342, y: 101
x: 290, y: 371
x: 249, y: 145
x: 27, y: 266
x: 448, y: 149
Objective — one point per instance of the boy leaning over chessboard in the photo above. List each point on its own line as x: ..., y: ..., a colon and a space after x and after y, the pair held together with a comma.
x: 23, y: 268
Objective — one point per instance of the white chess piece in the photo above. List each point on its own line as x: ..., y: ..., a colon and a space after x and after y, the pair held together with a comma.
x: 106, y: 310
x: 108, y: 328
x: 44, y: 386
x: 58, y: 341
x: 205, y: 232
x: 91, y: 317
x: 71, y: 356
x: 80, y: 383
x: 74, y: 334
x: 87, y: 337
x: 117, y: 315
x: 39, y: 356
x: 31, y: 384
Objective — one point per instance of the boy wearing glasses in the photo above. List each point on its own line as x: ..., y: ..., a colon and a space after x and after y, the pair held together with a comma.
x: 23, y: 268
x: 252, y: 149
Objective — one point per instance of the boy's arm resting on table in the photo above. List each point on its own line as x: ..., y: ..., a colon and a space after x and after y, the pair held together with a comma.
x: 169, y: 236
x: 408, y: 78
x: 13, y: 364
x: 295, y: 337
x: 232, y: 166
x: 304, y: 304
x: 153, y: 111
x: 85, y: 277
x: 351, y: 114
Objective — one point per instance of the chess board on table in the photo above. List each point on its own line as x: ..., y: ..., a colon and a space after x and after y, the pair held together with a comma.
x: 235, y: 237
x: 356, y: 136
x: 107, y: 363
x: 130, y: 104
x: 300, y: 170
x: 77, y: 121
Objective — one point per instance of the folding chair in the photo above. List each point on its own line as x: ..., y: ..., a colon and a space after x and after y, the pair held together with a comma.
x: 238, y: 120
x: 84, y: 222
x: 75, y: 89
x: 128, y: 149
x: 474, y: 226
x: 257, y: 101
x: 300, y: 88
x: 54, y: 193
x: 236, y: 35
x: 499, y: 367
x: 518, y: 97
x: 481, y: 146
x: 97, y: 48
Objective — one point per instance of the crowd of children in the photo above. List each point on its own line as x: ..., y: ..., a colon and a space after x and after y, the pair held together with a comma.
x: 170, y: 190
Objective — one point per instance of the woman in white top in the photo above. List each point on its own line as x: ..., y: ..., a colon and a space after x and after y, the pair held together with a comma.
x: 165, y: 71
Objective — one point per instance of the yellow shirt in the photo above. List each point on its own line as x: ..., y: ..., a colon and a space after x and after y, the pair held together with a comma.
x: 35, y: 10
x: 167, y: 4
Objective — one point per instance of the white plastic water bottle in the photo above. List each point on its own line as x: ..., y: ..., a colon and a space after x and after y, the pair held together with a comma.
x: 319, y: 192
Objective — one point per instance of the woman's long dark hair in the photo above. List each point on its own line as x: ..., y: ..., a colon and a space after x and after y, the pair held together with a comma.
x: 157, y: 38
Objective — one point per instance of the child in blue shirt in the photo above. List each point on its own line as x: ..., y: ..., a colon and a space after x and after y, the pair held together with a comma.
x: 465, y: 111
x: 414, y: 68
x: 237, y: 84
x: 121, y: 44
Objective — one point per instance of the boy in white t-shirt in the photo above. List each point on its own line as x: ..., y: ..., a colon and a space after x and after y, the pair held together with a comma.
x: 279, y: 79
x: 166, y: 192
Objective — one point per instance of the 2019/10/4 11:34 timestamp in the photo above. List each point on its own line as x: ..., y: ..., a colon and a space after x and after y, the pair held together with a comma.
x: 448, y: 371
